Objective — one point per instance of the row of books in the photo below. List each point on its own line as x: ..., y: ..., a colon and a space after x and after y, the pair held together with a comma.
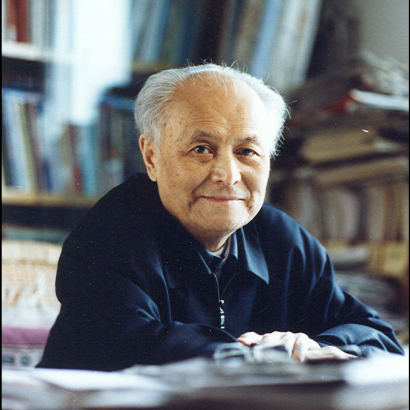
x: 274, y: 38
x: 166, y: 31
x: 348, y: 163
x: 26, y: 21
x: 84, y: 160
x: 163, y: 31
x: 372, y: 208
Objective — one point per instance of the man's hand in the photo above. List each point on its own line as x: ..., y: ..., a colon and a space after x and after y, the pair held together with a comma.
x: 298, y: 345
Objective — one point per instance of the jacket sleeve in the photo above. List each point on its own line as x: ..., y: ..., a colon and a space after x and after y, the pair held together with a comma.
x: 338, y: 318
x: 108, y: 322
x: 115, y: 309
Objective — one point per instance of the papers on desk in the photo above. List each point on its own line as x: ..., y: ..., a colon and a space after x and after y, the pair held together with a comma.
x: 377, y: 384
x: 54, y: 389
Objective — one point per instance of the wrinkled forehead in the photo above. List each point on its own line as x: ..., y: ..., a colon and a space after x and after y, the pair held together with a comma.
x: 226, y: 103
x: 216, y: 83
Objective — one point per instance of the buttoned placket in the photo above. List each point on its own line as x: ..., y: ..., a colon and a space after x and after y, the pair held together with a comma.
x: 216, y: 265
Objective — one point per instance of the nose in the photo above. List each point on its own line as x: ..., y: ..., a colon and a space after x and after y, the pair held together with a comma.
x: 226, y: 170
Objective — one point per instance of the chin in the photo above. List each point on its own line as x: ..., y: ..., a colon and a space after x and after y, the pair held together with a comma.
x: 226, y: 227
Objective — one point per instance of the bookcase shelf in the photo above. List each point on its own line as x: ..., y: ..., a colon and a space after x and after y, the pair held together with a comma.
x: 142, y: 67
x: 26, y: 51
x: 61, y: 159
x: 14, y: 197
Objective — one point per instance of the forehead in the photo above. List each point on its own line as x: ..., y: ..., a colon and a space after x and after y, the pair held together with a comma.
x: 218, y: 88
x: 224, y: 103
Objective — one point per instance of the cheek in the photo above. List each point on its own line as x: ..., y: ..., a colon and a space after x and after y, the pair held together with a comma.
x: 258, y: 180
x: 180, y: 183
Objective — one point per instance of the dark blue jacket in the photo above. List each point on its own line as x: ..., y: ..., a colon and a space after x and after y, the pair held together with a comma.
x: 134, y: 288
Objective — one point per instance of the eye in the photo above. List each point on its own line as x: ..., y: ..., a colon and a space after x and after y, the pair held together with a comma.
x: 201, y: 149
x: 247, y: 152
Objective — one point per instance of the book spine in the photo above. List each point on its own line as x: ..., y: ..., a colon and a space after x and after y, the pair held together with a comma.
x: 266, y: 39
x: 75, y: 161
x: 151, y: 46
x: 11, y: 20
x: 13, y: 122
x: 28, y: 145
x: 89, y: 157
x: 23, y: 30
x: 247, y: 36
x: 33, y: 124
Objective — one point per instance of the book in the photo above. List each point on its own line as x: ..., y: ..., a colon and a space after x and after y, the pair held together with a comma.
x: 18, y: 143
x: 378, y: 100
x: 308, y: 26
x: 28, y: 154
x: 302, y: 201
x: 193, y: 21
x: 154, y: 31
x: 89, y: 160
x: 147, y: 9
x: 172, y: 33
x: 395, y: 259
x: 33, y: 115
x: 230, y: 22
x: 75, y: 160
x: 266, y: 38
x: 341, y: 214
x: 247, y: 36
x: 293, y: 44
x: 23, y: 21
x: 363, y: 171
x: 11, y: 20
x: 377, y: 209
x: 344, y: 151
x: 39, y: 20
x: 138, y: 11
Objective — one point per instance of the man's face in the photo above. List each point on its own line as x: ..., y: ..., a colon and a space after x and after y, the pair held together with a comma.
x: 213, y: 162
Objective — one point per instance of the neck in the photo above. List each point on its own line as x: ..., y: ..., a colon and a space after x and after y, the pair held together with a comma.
x: 214, y: 244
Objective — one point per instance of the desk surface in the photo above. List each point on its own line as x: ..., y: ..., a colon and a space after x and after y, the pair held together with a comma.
x: 201, y: 384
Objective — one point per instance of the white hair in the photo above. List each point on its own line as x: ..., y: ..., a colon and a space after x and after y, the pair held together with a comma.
x: 153, y: 100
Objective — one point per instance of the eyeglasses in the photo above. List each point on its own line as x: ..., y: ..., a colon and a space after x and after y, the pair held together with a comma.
x: 238, y: 352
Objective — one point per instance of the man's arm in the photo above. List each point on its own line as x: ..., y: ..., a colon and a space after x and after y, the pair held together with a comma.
x: 108, y: 322
x: 306, y: 292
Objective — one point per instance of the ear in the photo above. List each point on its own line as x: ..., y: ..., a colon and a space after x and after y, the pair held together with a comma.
x: 150, y: 155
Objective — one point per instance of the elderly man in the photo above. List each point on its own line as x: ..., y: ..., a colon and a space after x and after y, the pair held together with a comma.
x: 169, y: 265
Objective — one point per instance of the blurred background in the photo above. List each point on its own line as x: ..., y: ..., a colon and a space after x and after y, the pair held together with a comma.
x: 72, y: 69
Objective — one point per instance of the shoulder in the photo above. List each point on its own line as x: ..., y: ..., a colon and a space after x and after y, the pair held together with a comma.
x: 277, y: 227
x: 135, y: 195
x: 120, y: 218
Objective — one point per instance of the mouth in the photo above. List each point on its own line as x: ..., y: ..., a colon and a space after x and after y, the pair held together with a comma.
x: 222, y: 199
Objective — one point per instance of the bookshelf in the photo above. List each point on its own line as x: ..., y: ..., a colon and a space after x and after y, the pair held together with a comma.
x: 346, y: 160
x: 69, y: 84
x: 68, y: 130
x: 74, y: 74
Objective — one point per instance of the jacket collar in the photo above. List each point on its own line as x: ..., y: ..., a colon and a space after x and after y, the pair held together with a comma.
x: 250, y: 254
x: 185, y: 253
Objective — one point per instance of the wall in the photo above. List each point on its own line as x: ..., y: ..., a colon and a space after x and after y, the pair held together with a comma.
x: 384, y: 27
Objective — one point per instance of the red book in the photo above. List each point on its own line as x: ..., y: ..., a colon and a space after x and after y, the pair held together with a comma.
x: 11, y: 11
x: 76, y: 169
x: 23, y: 21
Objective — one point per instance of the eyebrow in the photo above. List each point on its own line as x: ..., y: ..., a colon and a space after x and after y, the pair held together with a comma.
x: 198, y: 135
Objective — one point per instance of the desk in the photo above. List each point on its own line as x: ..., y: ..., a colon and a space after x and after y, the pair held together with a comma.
x: 202, y: 384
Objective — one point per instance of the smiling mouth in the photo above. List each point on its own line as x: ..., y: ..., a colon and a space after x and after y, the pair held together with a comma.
x: 223, y: 199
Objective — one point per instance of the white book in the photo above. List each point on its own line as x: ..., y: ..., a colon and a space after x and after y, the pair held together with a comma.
x: 20, y: 163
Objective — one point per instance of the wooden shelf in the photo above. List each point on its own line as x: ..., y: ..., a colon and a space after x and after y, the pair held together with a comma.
x: 14, y: 197
x: 25, y: 51
x: 33, y: 52
x: 142, y: 67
